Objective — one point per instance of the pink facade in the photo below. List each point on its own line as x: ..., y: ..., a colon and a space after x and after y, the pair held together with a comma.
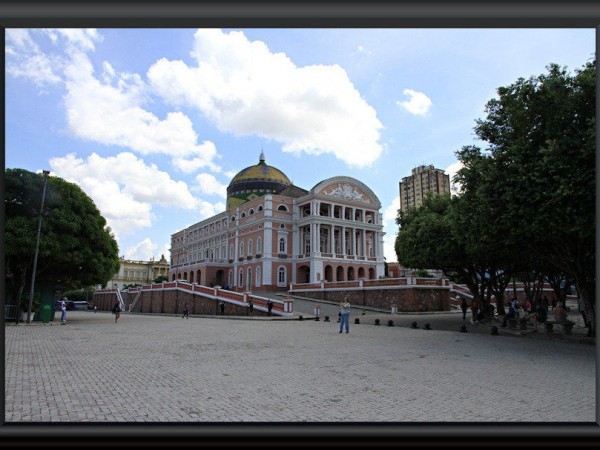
x: 269, y: 239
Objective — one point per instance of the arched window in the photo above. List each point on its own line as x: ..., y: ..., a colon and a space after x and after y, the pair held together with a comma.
x: 281, y: 245
x: 251, y: 212
x: 230, y: 278
x: 250, y: 247
x: 282, y: 208
x: 231, y: 254
x: 243, y: 215
x: 257, y: 277
x: 260, y: 208
x: 281, y: 276
x: 259, y: 246
x: 241, y: 280
x: 233, y: 218
x: 249, y: 280
x: 241, y: 249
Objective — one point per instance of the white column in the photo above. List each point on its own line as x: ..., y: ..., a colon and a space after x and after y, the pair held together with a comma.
x: 332, y: 240
x: 364, y: 242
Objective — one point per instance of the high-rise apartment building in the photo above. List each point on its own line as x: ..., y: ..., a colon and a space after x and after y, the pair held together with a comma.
x: 423, y: 179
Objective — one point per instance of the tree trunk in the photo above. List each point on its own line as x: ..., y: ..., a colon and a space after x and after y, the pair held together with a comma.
x: 589, y: 298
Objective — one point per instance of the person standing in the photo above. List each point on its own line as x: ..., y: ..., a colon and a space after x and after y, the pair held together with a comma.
x: 515, y: 307
x: 474, y: 310
x: 345, y: 315
x: 116, y: 310
x: 464, y: 307
x: 581, y: 307
x: 95, y: 308
x: 222, y: 307
x: 186, y: 311
x: 250, y: 307
x: 63, y: 308
x: 269, y: 306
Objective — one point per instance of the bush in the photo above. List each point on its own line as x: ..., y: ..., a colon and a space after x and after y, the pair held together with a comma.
x: 80, y: 295
x: 35, y: 305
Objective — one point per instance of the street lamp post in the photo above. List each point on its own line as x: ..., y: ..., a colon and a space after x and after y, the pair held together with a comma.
x: 37, y: 246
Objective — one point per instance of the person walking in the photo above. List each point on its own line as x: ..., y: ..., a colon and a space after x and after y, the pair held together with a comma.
x: 116, y: 310
x: 464, y: 306
x: 186, y: 312
x: 345, y: 315
x: 63, y: 308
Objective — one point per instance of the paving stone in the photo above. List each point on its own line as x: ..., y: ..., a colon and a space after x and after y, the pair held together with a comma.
x: 152, y: 368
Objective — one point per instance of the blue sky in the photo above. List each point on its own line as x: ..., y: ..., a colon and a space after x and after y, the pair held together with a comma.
x: 153, y: 123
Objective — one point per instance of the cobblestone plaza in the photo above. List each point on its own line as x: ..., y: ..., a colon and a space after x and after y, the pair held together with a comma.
x: 164, y: 369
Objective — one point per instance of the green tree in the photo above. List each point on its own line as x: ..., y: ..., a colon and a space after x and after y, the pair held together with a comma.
x: 541, y: 133
x: 76, y: 247
x: 160, y: 279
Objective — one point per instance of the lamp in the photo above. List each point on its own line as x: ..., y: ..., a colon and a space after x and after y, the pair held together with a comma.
x: 37, y: 246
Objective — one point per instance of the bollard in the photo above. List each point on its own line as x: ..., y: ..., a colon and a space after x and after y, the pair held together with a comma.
x: 316, y: 311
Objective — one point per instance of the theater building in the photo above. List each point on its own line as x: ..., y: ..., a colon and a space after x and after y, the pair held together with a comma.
x: 274, y: 233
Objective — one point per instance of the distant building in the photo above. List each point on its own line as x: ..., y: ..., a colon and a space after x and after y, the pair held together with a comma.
x: 138, y: 272
x: 424, y: 179
x: 273, y: 233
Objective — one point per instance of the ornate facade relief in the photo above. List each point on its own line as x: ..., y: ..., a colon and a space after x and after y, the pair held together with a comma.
x: 345, y: 191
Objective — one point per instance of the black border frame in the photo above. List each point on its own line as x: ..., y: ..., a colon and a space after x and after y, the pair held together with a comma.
x: 294, y: 14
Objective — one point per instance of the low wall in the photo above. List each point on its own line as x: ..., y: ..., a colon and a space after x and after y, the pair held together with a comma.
x: 406, y: 299
x: 170, y: 298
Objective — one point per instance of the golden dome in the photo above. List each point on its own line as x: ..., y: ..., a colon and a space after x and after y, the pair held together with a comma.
x: 261, y: 171
x: 255, y: 181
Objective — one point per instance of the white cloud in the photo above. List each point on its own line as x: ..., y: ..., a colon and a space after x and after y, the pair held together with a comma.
x: 451, y: 171
x: 391, y: 230
x: 418, y: 104
x: 247, y: 90
x: 208, y: 184
x: 110, y: 113
x: 81, y: 38
x: 146, y: 250
x: 24, y: 59
x: 141, y: 251
x: 109, y: 108
x: 207, y: 209
x: 124, y: 188
x: 361, y: 49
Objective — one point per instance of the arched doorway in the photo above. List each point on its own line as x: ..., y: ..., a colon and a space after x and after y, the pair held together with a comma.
x: 328, y: 273
x: 339, y: 276
x: 350, y: 273
x: 192, y: 276
x: 361, y: 272
x: 220, y: 277
x: 199, y: 277
x: 371, y: 274
x: 303, y: 274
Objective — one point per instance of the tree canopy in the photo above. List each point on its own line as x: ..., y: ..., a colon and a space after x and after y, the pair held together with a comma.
x: 527, y: 201
x: 76, y: 247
